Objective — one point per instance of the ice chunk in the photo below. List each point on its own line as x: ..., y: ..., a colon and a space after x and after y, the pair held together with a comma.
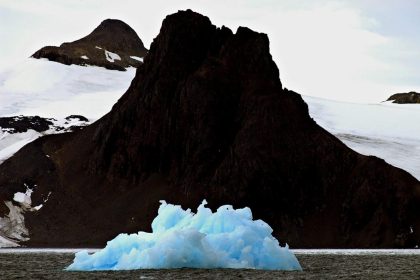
x: 228, y: 238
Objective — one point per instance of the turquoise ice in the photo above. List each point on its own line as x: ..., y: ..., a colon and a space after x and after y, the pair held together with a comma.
x: 227, y: 238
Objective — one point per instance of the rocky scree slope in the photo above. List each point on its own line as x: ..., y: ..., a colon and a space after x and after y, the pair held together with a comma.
x: 206, y: 117
x: 113, y: 45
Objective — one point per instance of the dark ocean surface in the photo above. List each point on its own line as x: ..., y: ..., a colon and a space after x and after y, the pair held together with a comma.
x: 316, y: 264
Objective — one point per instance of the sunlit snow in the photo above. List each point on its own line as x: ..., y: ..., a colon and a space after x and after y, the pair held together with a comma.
x: 386, y: 130
x: 49, y: 89
x: 53, y: 90
x: 227, y: 238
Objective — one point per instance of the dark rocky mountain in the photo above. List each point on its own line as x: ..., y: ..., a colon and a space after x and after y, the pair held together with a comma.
x: 405, y: 98
x: 206, y: 116
x: 112, y: 36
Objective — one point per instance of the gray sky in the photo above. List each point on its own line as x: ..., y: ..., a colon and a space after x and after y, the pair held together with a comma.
x: 349, y: 50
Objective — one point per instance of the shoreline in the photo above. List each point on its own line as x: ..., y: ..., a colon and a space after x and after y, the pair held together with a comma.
x: 295, y: 251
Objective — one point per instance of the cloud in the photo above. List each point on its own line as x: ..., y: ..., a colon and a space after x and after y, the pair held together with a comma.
x: 332, y: 49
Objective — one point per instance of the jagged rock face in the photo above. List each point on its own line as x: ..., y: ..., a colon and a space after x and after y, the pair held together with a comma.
x: 206, y: 117
x: 405, y: 98
x: 113, y: 45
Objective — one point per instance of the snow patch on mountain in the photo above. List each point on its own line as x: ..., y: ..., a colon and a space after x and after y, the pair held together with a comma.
x: 137, y: 58
x: 111, y: 57
x: 24, y: 198
x: 12, y: 226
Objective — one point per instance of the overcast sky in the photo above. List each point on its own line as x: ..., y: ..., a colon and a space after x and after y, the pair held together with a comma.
x: 350, y: 50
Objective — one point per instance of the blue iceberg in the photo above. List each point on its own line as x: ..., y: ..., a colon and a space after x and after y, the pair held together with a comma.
x: 228, y: 238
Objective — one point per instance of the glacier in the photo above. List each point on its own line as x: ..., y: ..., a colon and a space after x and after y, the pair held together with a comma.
x: 385, y: 130
x: 227, y: 238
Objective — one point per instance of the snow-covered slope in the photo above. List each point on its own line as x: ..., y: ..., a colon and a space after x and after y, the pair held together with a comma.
x: 388, y: 131
x: 50, y: 89
x: 53, y: 90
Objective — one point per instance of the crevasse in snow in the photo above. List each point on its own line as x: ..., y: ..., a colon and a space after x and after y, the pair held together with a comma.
x: 227, y: 238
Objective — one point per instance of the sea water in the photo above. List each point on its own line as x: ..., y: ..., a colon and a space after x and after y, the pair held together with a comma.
x: 316, y: 264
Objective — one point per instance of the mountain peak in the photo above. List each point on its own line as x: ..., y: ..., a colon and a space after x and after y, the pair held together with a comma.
x: 113, y: 45
x: 206, y: 117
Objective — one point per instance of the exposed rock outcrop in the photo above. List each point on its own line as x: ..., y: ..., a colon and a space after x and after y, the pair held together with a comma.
x: 405, y: 98
x: 20, y: 124
x: 113, y: 45
x: 206, y: 117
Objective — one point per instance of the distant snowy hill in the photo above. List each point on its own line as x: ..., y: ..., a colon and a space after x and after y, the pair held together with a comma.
x: 38, y: 87
x: 388, y: 131
x: 113, y: 45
